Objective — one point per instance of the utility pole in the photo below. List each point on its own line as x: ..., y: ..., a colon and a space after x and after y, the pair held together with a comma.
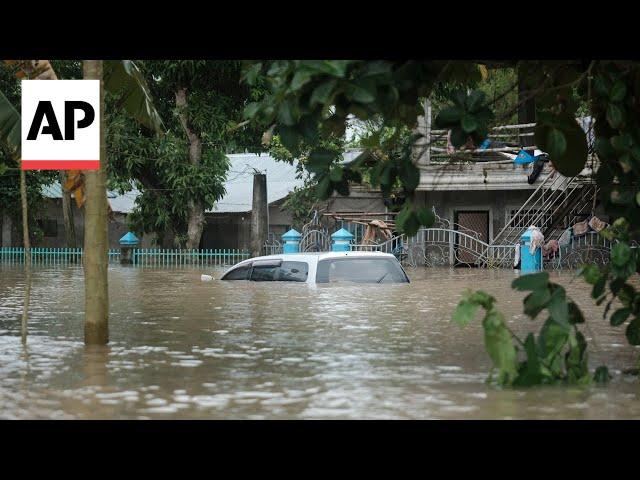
x: 259, y: 214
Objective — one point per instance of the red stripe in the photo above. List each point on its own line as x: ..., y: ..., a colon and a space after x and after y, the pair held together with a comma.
x: 60, y: 164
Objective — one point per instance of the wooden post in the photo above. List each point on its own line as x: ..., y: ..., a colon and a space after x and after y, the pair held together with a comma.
x: 259, y: 212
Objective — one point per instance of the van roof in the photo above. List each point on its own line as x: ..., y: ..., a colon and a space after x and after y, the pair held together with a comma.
x: 317, y: 256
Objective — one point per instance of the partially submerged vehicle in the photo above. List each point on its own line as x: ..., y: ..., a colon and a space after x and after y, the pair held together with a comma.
x: 320, y: 267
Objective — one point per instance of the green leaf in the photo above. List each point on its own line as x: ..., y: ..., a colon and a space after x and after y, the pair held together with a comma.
x: 622, y: 143
x: 601, y: 375
x: 533, y: 281
x: 10, y: 127
x: 448, y: 117
x: 531, y: 373
x: 251, y: 74
x: 499, y: 345
x: 458, y: 137
x: 363, y: 91
x: 469, y: 123
x: 336, y: 173
x: 536, y: 301
x: 615, y: 115
x: 620, y: 254
x: 474, y: 100
x: 619, y: 316
x: 426, y: 217
x: 288, y: 112
x: 575, y: 314
x: 251, y: 109
x: 552, y: 339
x: 337, y: 68
x: 571, y: 162
x: 556, y: 143
x: 482, y: 298
x: 124, y: 78
x: 320, y: 159
x: 289, y: 137
x: 598, y: 288
x: 558, y: 308
x: 322, y: 93
x: 618, y: 91
x: 633, y: 331
x: 324, y: 188
x: 465, y: 312
x: 591, y: 274
x: 300, y: 78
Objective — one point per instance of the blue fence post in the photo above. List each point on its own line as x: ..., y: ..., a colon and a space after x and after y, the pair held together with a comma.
x: 341, y: 240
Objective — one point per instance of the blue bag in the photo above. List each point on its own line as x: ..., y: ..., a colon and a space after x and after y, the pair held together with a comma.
x: 523, y: 158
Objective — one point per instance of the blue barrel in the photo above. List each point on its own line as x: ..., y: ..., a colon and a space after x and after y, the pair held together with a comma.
x: 291, y: 241
x: 529, y: 262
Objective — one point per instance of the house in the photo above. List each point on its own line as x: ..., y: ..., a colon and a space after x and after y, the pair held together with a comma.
x: 227, y: 224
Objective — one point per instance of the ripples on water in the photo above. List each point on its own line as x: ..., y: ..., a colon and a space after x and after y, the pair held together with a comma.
x: 181, y: 348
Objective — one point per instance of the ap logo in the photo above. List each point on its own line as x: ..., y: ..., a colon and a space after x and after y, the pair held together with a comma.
x: 60, y: 124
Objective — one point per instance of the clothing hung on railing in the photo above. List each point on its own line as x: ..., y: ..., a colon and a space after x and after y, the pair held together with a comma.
x: 537, y: 239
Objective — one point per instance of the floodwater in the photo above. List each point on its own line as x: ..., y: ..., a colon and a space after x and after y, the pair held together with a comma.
x: 182, y: 348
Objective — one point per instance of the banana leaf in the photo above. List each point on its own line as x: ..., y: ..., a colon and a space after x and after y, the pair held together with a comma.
x: 124, y: 78
x: 9, y: 126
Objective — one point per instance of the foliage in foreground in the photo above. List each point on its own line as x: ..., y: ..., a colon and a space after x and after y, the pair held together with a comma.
x: 559, y: 353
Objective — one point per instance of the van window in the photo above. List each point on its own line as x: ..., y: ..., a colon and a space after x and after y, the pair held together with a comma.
x: 360, y: 270
x: 285, y: 272
x: 240, y: 273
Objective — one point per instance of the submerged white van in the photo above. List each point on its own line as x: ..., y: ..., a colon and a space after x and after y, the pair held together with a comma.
x: 320, y: 267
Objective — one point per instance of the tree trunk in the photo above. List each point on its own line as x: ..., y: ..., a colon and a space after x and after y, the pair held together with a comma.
x: 67, y: 213
x: 27, y: 254
x: 195, y: 208
x: 96, y: 324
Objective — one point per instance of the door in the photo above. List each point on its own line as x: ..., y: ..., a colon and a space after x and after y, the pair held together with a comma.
x: 472, y: 223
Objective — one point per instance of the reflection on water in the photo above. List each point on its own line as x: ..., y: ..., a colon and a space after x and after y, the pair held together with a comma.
x: 181, y: 348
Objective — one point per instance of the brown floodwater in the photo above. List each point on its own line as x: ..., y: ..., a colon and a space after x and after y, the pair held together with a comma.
x: 182, y: 348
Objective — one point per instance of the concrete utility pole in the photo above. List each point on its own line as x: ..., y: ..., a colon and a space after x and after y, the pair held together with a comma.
x: 259, y: 214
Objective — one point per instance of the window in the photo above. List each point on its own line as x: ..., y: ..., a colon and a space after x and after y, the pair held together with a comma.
x: 49, y: 227
x: 240, y: 273
x: 360, y: 270
x: 284, y: 272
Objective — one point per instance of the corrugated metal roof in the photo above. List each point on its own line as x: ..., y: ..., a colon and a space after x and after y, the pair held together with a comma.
x: 281, y: 180
x: 119, y: 203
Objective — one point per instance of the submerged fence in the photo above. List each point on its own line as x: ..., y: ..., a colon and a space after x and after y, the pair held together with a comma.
x: 143, y: 257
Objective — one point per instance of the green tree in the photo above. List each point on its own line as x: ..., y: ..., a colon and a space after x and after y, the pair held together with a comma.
x: 182, y: 174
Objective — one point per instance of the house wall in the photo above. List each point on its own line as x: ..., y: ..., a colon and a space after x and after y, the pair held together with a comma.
x: 233, y: 230
x: 55, y: 238
x: 497, y: 202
